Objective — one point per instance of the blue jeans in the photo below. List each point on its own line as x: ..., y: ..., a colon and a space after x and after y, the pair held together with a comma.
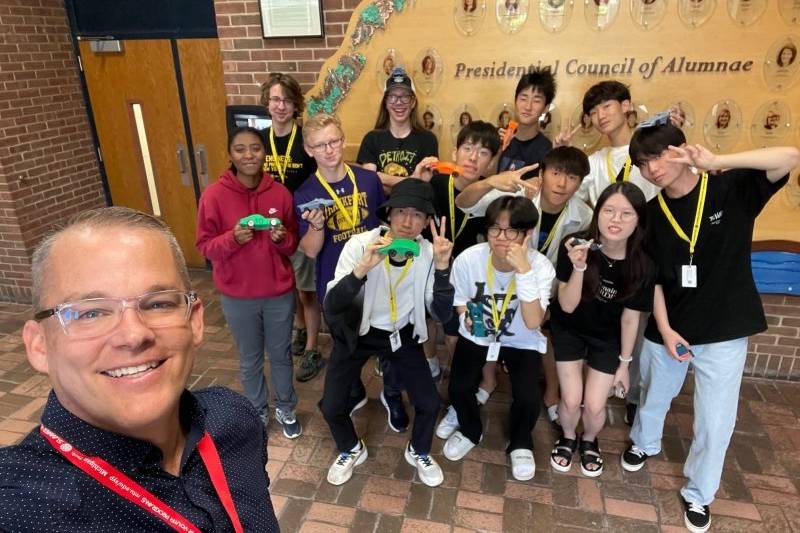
x: 257, y: 325
x: 718, y: 374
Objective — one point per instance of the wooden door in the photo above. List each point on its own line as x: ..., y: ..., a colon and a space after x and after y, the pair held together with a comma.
x: 140, y: 125
x: 203, y: 85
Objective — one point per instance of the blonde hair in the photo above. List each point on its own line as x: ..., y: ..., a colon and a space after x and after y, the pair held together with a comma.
x: 319, y: 122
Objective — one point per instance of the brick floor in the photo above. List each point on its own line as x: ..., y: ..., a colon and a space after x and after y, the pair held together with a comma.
x: 760, y: 489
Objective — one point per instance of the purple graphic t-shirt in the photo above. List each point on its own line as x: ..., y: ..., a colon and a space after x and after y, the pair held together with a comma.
x: 337, y: 228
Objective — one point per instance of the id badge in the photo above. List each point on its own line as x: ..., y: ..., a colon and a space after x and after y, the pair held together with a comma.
x: 394, y: 341
x: 689, y: 276
x: 494, y: 351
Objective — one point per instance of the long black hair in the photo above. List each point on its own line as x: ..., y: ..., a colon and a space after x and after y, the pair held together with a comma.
x: 637, y: 267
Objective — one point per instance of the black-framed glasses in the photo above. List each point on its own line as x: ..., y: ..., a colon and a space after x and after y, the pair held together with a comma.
x: 93, y: 317
x: 402, y: 98
x: 510, y: 233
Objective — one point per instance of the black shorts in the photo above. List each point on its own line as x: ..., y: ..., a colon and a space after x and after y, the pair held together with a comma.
x: 451, y: 326
x: 600, y: 354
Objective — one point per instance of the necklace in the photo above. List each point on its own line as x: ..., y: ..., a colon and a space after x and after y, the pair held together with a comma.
x: 610, y: 262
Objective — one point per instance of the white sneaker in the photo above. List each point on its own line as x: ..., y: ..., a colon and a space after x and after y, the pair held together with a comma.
x: 448, y: 425
x: 435, y: 367
x: 523, y: 466
x: 457, y: 446
x: 341, y: 470
x: 428, y: 469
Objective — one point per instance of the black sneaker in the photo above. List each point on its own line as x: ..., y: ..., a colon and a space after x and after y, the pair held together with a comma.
x: 633, y: 459
x: 396, y: 411
x: 299, y: 341
x: 696, y: 517
x: 310, y: 365
x: 630, y: 413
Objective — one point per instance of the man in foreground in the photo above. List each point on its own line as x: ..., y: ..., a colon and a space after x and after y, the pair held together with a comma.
x: 123, y: 446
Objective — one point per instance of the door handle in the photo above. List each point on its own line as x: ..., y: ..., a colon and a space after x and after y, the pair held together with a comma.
x: 180, y: 152
x: 201, y: 159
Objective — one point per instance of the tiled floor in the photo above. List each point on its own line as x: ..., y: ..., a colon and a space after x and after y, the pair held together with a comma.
x: 760, y: 487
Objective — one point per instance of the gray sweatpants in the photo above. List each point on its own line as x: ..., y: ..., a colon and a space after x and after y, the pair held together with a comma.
x: 264, y: 324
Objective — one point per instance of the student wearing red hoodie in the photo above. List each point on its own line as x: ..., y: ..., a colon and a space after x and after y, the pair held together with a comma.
x: 253, y: 272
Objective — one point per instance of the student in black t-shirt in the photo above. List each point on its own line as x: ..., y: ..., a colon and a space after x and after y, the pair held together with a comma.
x: 287, y: 161
x: 706, y: 303
x: 535, y: 90
x: 601, y: 294
x: 399, y: 141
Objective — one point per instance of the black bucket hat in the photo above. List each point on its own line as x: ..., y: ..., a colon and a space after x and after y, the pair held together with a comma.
x: 411, y: 192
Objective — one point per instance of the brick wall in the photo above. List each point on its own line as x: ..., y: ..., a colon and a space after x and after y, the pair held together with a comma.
x: 247, y: 57
x: 48, y: 168
x: 776, y: 352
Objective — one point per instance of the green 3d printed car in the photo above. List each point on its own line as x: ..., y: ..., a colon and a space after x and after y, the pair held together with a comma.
x: 259, y: 222
x: 401, y: 248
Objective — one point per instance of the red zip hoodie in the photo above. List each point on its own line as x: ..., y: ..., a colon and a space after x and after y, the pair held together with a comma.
x: 259, y: 268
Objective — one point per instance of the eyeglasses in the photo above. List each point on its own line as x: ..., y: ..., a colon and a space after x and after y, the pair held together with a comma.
x: 276, y: 100
x: 93, y: 317
x: 469, y: 149
x: 624, y: 214
x: 333, y: 144
x: 510, y: 233
x: 402, y: 98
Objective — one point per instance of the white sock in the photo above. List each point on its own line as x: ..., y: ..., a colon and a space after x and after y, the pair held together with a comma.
x: 357, y: 447
x: 482, y: 396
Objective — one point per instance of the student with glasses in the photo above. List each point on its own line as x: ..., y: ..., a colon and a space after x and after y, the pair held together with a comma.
x: 377, y: 303
x: 253, y: 272
x: 288, y: 162
x: 356, y: 194
x: 116, y: 324
x: 604, y: 284
x: 399, y: 141
x: 561, y: 212
x: 502, y: 292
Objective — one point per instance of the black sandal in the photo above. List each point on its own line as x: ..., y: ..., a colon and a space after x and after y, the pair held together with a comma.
x: 564, y: 449
x: 590, y: 456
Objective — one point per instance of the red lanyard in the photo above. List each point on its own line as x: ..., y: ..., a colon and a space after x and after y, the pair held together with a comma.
x: 117, y: 482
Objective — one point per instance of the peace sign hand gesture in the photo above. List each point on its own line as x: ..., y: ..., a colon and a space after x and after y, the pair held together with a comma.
x: 511, y: 180
x: 564, y: 137
x: 695, y: 155
x: 442, y: 248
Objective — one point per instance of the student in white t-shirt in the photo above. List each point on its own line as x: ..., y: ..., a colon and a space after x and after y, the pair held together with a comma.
x: 508, y: 284
x: 608, y: 104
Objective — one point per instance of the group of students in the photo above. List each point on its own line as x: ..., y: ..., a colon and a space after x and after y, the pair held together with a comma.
x: 534, y: 256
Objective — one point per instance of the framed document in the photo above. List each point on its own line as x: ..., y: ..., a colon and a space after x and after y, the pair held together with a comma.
x: 291, y: 18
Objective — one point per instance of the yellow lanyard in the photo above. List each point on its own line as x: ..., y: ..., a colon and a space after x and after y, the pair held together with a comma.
x: 698, y: 215
x: 452, y: 197
x: 509, y: 293
x: 351, y: 219
x: 282, y: 168
x: 392, y: 298
x: 552, y: 230
x: 612, y: 177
